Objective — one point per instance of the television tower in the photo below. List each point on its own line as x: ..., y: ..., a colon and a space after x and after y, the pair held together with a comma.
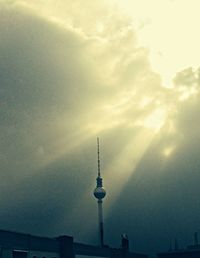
x: 100, y: 193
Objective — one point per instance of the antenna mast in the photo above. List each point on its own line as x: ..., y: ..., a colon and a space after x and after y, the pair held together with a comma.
x: 98, y: 156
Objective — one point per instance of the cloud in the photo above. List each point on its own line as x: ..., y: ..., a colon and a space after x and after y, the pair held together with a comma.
x: 187, y: 77
x: 58, y: 78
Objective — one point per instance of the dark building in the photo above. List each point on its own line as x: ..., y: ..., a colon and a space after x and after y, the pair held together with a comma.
x: 19, y: 245
x: 186, y: 253
x: 192, y: 251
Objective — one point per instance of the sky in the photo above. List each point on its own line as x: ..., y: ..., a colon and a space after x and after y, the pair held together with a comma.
x: 125, y: 71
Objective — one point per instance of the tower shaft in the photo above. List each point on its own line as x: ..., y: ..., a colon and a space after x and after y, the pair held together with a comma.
x: 100, y: 218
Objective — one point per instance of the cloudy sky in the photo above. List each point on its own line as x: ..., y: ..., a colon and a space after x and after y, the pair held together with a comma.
x: 126, y: 71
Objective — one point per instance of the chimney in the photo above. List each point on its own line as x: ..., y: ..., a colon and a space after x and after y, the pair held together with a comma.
x: 176, y: 244
x: 196, y: 242
x: 125, y: 242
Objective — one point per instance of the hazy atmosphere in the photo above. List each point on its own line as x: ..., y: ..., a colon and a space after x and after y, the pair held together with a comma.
x: 126, y: 71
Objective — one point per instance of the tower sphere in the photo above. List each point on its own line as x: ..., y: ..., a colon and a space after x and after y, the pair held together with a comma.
x: 99, y: 192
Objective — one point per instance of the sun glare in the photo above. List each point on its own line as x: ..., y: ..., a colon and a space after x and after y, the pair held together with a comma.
x: 179, y: 43
x: 154, y: 121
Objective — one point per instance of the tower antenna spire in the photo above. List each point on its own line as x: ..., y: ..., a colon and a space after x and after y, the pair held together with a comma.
x: 98, y: 156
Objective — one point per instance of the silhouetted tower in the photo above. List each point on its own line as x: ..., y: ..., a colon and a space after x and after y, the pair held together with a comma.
x: 100, y: 193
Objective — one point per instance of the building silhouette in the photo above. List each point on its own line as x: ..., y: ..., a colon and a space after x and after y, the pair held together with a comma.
x: 19, y: 245
x: 191, y: 251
